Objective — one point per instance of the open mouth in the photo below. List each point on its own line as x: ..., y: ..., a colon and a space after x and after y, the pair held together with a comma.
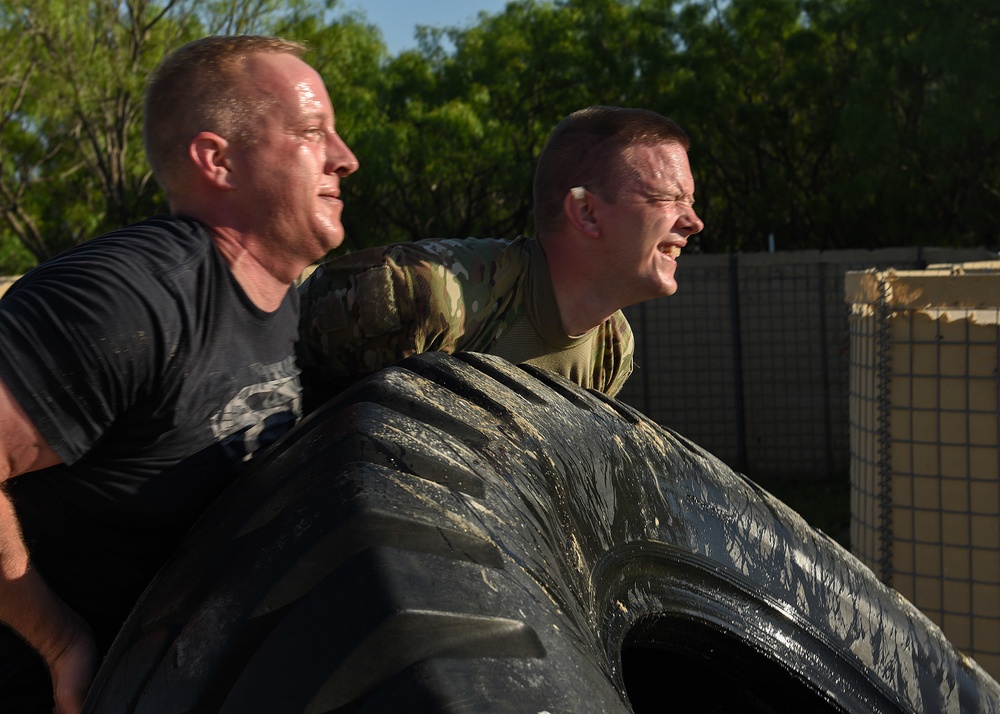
x: 671, y: 251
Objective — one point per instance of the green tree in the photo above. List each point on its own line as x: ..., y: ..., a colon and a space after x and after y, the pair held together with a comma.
x: 70, y: 109
x: 843, y: 123
x: 21, y: 156
x: 757, y: 87
x: 921, y: 132
x: 825, y: 123
x: 464, y: 117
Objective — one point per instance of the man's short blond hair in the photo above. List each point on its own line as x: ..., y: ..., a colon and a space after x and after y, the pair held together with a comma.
x: 203, y: 87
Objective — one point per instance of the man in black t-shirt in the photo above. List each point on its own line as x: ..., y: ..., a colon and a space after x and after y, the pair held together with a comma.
x: 140, y: 371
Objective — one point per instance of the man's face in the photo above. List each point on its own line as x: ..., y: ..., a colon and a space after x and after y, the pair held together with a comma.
x: 649, y: 222
x: 291, y: 175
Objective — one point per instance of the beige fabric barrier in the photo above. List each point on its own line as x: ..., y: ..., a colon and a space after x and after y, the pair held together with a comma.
x: 925, y: 443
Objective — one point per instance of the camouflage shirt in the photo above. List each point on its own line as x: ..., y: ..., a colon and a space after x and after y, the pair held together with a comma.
x: 367, y: 310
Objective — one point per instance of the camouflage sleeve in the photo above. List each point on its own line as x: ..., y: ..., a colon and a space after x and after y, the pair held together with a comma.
x: 367, y: 310
x: 617, y: 364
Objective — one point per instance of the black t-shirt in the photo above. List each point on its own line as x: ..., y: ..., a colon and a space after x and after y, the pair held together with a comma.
x: 154, y: 378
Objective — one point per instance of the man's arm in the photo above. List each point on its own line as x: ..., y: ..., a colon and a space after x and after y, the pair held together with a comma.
x: 27, y: 604
x: 367, y: 310
x: 362, y: 312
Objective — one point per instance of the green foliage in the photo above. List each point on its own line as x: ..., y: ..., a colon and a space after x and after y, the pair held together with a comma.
x: 926, y: 105
x: 846, y: 123
x: 763, y: 104
x: 825, y: 123
x: 14, y: 257
x: 71, y: 88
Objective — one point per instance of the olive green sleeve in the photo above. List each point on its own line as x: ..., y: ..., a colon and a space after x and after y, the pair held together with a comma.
x: 617, y: 365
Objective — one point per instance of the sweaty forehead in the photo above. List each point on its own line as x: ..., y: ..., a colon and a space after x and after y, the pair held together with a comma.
x: 662, y: 166
x: 286, y: 76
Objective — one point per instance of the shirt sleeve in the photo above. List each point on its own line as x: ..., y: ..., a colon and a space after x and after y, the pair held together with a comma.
x: 77, y: 350
x: 616, y: 367
x: 367, y: 310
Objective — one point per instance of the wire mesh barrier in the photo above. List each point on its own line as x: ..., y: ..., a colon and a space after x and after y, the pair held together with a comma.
x: 687, y: 374
x: 750, y: 358
x: 925, y: 443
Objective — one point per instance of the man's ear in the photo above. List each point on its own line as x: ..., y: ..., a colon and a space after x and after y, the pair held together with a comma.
x: 578, y: 205
x: 210, y: 154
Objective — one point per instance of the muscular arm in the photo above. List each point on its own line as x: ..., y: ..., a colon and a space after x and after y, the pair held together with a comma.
x: 27, y: 604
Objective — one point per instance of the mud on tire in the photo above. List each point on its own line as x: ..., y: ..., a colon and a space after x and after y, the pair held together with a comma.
x: 455, y: 534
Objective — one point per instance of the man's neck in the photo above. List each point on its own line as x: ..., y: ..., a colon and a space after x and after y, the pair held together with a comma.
x: 579, y: 297
x: 262, y: 286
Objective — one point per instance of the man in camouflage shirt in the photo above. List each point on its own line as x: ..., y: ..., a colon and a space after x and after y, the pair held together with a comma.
x: 613, y: 207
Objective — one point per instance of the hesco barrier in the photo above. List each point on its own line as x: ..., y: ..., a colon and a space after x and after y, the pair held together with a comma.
x: 925, y: 443
x: 750, y: 358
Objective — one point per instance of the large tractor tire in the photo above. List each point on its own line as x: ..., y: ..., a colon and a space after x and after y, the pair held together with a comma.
x: 455, y: 534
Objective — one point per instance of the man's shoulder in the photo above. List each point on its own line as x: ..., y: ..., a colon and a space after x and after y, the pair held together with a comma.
x: 140, y: 270
x: 157, y: 243
x: 158, y: 240
x: 468, y: 260
x: 458, y: 247
x: 447, y: 252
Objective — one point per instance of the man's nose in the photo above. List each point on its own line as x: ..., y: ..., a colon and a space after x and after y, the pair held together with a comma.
x: 339, y: 157
x: 691, y: 222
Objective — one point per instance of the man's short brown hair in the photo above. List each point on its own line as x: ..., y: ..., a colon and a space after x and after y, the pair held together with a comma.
x: 202, y: 87
x: 590, y: 148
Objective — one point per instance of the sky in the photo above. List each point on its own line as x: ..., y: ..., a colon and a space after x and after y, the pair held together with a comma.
x: 398, y: 18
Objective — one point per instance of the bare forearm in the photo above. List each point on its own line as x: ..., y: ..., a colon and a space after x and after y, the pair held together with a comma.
x: 35, y: 612
x: 22, y: 450
x: 27, y: 604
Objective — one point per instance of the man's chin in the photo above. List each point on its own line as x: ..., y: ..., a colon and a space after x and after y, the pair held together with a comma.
x: 666, y: 282
x: 332, y: 237
x: 668, y: 286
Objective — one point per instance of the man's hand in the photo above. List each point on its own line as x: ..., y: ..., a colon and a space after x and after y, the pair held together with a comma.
x: 73, y: 667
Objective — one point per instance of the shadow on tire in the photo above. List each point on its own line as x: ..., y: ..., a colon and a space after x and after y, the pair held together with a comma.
x: 455, y: 534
